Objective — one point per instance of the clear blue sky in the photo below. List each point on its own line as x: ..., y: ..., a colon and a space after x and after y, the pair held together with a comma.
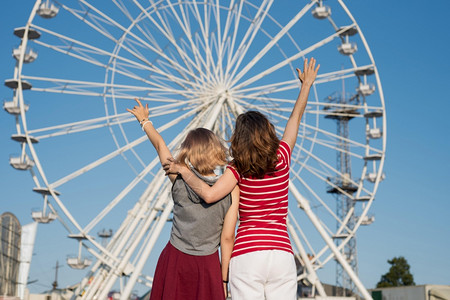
x: 410, y: 42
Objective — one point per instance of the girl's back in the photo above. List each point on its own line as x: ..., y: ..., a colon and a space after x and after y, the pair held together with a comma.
x: 263, y: 208
x: 196, y: 225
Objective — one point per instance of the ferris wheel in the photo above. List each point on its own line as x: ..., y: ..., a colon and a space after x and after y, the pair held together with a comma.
x: 80, y: 64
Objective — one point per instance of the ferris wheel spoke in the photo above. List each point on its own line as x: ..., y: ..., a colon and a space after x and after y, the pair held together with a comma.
x: 164, y: 65
x: 340, y: 139
x: 124, y: 65
x: 205, y: 35
x: 267, y: 108
x: 121, y: 68
x: 98, y: 162
x: 328, y: 172
x: 271, y: 88
x: 304, y: 203
x: 125, y: 148
x: 319, y: 104
x: 314, y: 194
x: 325, y: 171
x: 123, y: 194
x: 236, y: 12
x: 334, y: 147
x: 292, y: 58
x: 96, y: 123
x: 221, y: 38
x: 272, y: 42
x: 106, y: 19
x: 335, y: 114
x: 340, y: 74
x: 165, y: 29
x: 70, y: 46
x: 324, y: 177
x: 185, y: 25
x: 247, y: 40
x: 88, y: 88
x: 302, y: 233
x: 81, y: 126
x: 122, y: 7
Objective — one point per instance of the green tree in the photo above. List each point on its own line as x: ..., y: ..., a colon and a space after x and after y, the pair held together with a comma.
x: 398, y: 275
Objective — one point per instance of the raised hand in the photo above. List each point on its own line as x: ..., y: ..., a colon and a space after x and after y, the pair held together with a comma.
x: 139, y: 111
x: 309, y: 72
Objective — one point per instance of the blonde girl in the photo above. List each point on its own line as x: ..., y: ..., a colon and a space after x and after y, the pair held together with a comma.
x: 189, y: 266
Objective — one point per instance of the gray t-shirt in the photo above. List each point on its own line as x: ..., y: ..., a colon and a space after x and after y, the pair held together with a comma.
x: 197, y: 225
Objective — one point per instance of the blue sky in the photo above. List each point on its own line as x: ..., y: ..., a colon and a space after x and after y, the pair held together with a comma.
x: 409, y: 42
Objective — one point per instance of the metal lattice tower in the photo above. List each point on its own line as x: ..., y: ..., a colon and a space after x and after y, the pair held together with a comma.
x: 344, y: 189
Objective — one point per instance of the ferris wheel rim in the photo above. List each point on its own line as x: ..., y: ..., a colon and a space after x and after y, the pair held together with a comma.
x: 51, y: 186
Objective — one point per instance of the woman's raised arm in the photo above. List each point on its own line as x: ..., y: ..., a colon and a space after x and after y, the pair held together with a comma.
x: 307, y: 79
x: 141, y: 114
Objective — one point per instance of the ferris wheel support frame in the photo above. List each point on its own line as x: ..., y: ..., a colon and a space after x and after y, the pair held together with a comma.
x: 304, y: 204
x: 312, y: 277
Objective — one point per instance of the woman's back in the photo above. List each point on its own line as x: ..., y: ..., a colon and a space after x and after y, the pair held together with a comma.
x: 196, y: 225
x: 263, y: 208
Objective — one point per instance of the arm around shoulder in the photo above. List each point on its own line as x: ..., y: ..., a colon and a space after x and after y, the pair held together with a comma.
x: 209, y: 194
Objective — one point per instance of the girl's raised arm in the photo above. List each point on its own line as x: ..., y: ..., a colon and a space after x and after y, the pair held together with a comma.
x: 141, y: 114
x: 307, y: 79
x: 210, y: 194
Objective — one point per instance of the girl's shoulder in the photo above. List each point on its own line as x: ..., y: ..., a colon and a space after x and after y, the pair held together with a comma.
x: 284, y: 146
x: 234, y: 171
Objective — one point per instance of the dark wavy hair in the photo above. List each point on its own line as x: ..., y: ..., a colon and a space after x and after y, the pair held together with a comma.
x: 254, y: 145
x: 203, y: 149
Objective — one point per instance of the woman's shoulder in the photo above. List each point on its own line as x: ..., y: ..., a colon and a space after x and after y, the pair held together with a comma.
x: 234, y: 171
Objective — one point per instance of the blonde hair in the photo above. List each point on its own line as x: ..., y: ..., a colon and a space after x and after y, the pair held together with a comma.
x: 203, y: 149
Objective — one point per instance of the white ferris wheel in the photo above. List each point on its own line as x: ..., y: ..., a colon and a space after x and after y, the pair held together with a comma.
x: 81, y: 63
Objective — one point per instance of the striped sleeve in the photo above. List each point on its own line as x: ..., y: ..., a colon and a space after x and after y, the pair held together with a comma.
x: 235, y: 173
x: 285, y: 151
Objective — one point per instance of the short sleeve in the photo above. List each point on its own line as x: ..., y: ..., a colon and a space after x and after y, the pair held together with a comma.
x: 285, y: 151
x: 235, y: 173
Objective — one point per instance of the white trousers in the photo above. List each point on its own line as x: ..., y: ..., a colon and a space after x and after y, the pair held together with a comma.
x: 268, y: 274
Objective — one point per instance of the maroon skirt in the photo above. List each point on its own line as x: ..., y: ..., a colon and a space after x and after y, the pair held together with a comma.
x: 182, y: 276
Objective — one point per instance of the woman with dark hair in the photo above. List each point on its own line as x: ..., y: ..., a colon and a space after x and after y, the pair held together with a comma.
x: 189, y: 267
x: 262, y: 264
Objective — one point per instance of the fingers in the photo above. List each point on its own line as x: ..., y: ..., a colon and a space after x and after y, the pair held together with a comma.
x: 167, y: 166
x: 131, y: 111
x: 139, y: 102
x: 309, y: 66
x: 312, y: 64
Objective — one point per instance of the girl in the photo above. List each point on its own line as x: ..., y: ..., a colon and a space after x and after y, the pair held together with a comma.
x: 189, y: 266
x: 262, y: 263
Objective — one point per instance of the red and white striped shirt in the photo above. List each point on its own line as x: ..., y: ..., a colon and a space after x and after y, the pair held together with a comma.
x: 263, y: 208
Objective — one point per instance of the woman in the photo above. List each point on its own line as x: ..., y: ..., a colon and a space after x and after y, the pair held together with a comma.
x: 189, y: 266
